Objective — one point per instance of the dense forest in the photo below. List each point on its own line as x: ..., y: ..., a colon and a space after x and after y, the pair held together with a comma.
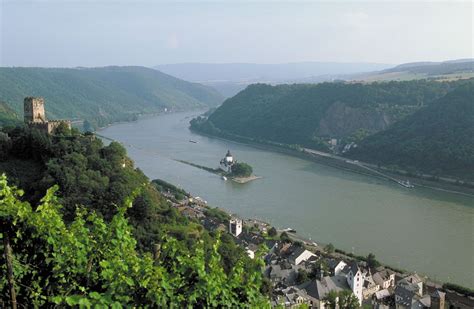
x: 311, y: 115
x: 88, y: 228
x: 102, y: 95
x: 7, y: 115
x: 438, y: 139
x: 305, y: 114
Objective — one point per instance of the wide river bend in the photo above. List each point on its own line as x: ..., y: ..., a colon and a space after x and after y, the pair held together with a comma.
x: 423, y: 230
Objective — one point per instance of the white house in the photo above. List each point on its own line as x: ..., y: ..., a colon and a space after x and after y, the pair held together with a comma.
x: 300, y: 254
x: 337, y: 269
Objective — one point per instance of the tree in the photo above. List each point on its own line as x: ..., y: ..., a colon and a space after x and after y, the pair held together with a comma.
x: 90, y: 262
x: 329, y: 248
x: 331, y: 299
x: 284, y: 237
x: 301, y: 276
x: 347, y: 300
x: 344, y: 299
x: 241, y: 169
x: 272, y: 232
x: 371, y: 261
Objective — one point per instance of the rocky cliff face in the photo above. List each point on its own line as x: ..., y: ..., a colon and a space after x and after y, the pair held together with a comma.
x: 341, y: 120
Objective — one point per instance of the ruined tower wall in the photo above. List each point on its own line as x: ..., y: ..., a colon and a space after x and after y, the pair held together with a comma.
x: 34, y: 110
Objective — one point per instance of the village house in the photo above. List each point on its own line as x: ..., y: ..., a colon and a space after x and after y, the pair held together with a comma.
x: 385, y: 278
x: 300, y: 254
x: 317, y: 290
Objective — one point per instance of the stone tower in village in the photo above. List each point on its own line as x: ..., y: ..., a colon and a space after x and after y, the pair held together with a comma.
x: 34, y: 110
x: 35, y: 116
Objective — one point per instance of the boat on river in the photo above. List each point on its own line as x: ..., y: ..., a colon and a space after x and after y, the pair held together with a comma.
x: 405, y: 183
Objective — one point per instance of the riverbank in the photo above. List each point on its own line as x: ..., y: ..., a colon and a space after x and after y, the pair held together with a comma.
x: 312, y: 198
x: 346, y: 164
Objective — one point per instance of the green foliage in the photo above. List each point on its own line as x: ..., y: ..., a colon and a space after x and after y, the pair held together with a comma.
x: 329, y: 248
x: 100, y: 177
x: 285, y: 237
x: 164, y: 186
x: 301, y: 276
x: 102, y: 95
x: 272, y: 232
x: 8, y: 117
x: 437, y: 140
x: 219, y: 215
x: 343, y: 299
x: 459, y: 289
x: 90, y: 262
x: 291, y: 114
x: 371, y: 261
x: 241, y: 169
x: 348, y: 300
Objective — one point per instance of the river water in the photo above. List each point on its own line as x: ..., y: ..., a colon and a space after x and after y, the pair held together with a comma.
x: 423, y: 230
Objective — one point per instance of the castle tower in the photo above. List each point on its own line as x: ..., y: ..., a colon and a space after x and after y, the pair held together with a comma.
x: 235, y: 226
x: 34, y: 110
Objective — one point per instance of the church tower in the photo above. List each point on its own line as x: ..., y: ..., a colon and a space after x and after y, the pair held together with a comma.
x: 34, y: 110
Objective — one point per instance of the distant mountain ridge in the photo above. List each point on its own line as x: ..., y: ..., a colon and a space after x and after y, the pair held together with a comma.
x: 230, y: 78
x: 446, y: 70
x: 446, y: 67
x: 103, y: 95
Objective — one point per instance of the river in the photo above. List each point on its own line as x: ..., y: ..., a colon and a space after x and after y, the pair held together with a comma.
x: 423, y: 230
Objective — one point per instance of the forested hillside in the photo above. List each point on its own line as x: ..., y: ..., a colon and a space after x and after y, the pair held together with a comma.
x: 309, y: 114
x: 7, y: 115
x: 438, y: 139
x: 89, y: 229
x: 103, y: 95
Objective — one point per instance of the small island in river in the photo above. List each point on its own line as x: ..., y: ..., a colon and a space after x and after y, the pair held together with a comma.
x: 239, y: 172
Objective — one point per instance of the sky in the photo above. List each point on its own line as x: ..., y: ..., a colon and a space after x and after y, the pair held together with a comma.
x: 69, y: 33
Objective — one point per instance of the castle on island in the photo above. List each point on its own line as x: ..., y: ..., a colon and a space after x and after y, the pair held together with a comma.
x: 35, y: 116
x: 227, y: 162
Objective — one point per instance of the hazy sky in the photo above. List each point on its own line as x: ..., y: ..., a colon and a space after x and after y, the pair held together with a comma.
x: 106, y: 32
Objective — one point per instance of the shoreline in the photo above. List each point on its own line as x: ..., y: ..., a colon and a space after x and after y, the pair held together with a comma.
x: 328, y: 160
x: 280, y: 150
x: 243, y: 180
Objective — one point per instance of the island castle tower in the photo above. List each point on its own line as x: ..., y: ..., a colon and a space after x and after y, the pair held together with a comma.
x: 35, y: 116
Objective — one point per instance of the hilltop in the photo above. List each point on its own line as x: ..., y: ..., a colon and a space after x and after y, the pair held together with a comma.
x: 333, y: 117
x: 441, y: 71
x: 103, y: 95
x: 308, y: 114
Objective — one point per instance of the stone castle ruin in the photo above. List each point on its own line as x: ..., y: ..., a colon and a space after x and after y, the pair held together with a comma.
x: 35, y: 116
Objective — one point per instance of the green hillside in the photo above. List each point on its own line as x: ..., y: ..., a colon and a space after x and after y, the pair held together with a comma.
x: 7, y: 115
x: 89, y: 230
x: 103, y: 95
x: 309, y: 114
x: 438, y: 139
